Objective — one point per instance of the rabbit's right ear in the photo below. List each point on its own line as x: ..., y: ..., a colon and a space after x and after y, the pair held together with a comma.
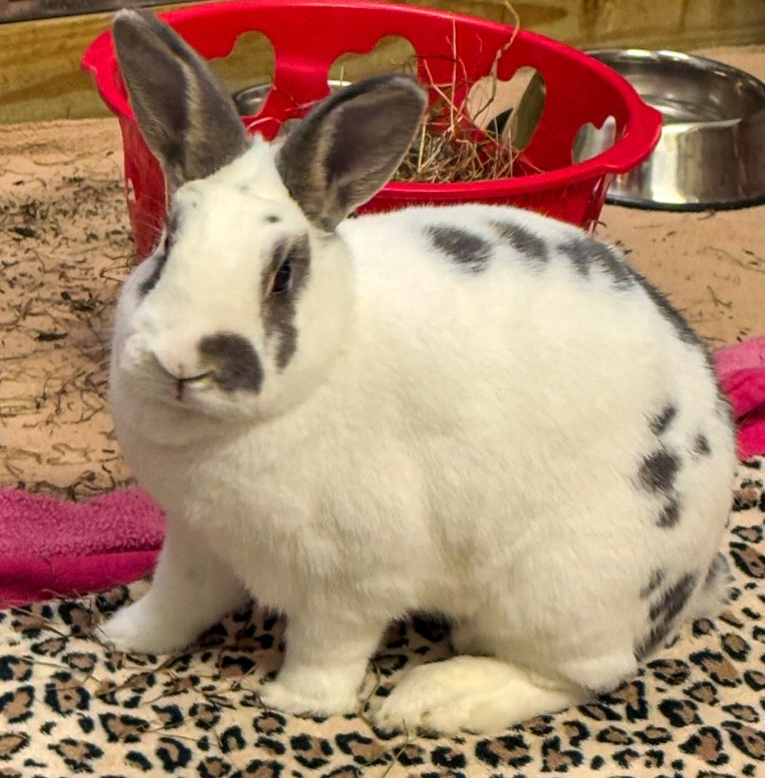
x: 348, y: 147
x: 185, y: 113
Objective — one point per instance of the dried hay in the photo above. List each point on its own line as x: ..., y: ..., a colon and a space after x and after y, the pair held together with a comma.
x: 452, y: 146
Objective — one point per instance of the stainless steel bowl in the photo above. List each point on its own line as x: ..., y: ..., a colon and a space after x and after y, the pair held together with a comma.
x: 712, y: 149
x: 250, y: 100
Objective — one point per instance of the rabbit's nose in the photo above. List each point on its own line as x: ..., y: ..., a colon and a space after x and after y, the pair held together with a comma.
x: 233, y: 361
x: 176, y: 358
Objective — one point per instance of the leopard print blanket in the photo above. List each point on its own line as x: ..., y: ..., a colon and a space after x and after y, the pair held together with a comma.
x: 69, y: 706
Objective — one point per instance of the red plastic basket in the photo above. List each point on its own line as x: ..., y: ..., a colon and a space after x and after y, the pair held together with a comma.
x: 309, y: 35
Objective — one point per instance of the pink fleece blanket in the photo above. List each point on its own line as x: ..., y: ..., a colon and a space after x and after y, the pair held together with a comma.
x: 50, y: 547
x: 741, y: 369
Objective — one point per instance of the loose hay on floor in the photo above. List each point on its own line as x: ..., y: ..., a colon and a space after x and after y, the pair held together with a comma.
x: 65, y: 246
x: 68, y: 705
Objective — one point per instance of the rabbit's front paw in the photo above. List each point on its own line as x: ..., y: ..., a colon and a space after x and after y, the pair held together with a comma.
x: 285, y: 699
x: 140, y: 629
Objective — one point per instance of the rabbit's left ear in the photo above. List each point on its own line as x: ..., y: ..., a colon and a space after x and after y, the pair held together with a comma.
x: 348, y: 147
x: 185, y: 113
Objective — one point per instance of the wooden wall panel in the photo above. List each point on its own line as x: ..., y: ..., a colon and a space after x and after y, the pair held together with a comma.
x: 22, y: 10
x: 40, y: 75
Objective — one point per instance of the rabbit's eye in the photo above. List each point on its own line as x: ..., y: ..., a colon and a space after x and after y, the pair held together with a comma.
x: 282, y: 277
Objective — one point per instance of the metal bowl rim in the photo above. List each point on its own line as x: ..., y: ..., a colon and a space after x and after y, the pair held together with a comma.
x: 694, y: 61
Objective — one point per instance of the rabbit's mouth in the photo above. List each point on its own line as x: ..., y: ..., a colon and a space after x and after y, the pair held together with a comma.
x: 198, y: 395
x: 175, y: 388
x: 155, y: 383
x: 182, y: 385
x: 186, y: 394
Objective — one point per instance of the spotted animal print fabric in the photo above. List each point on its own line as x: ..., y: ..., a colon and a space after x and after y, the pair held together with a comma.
x: 69, y: 706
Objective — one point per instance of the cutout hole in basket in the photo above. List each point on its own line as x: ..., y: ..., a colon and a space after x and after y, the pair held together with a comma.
x: 591, y: 140
x: 510, y: 110
x: 132, y: 188
x: 391, y: 54
x: 248, y: 71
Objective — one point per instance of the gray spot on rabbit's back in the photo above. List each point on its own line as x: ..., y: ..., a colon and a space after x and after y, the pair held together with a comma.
x: 718, y: 569
x: 656, y: 474
x: 670, y: 314
x: 701, y: 445
x: 723, y: 407
x: 586, y: 253
x: 522, y: 240
x: 669, y: 514
x: 654, y: 582
x: 673, y: 599
x: 283, y: 279
x: 462, y: 247
x: 658, y: 470
x: 660, y: 423
x: 664, y: 612
x: 233, y: 360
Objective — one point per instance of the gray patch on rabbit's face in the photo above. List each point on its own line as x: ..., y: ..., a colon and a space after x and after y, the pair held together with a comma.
x: 586, y: 253
x: 463, y: 248
x: 654, y: 582
x: 159, y: 260
x: 658, y: 470
x: 233, y: 360
x: 522, y: 240
x: 160, y: 257
x: 660, y: 424
x: 663, y: 614
x: 279, y: 307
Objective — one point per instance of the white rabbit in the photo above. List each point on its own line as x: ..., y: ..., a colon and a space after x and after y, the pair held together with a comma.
x: 474, y: 411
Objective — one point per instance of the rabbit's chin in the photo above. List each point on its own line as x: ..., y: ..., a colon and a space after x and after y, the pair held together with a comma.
x: 151, y: 411
x: 166, y: 424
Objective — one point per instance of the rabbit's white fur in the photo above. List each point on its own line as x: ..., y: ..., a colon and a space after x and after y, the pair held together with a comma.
x: 444, y: 440
x: 453, y: 442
